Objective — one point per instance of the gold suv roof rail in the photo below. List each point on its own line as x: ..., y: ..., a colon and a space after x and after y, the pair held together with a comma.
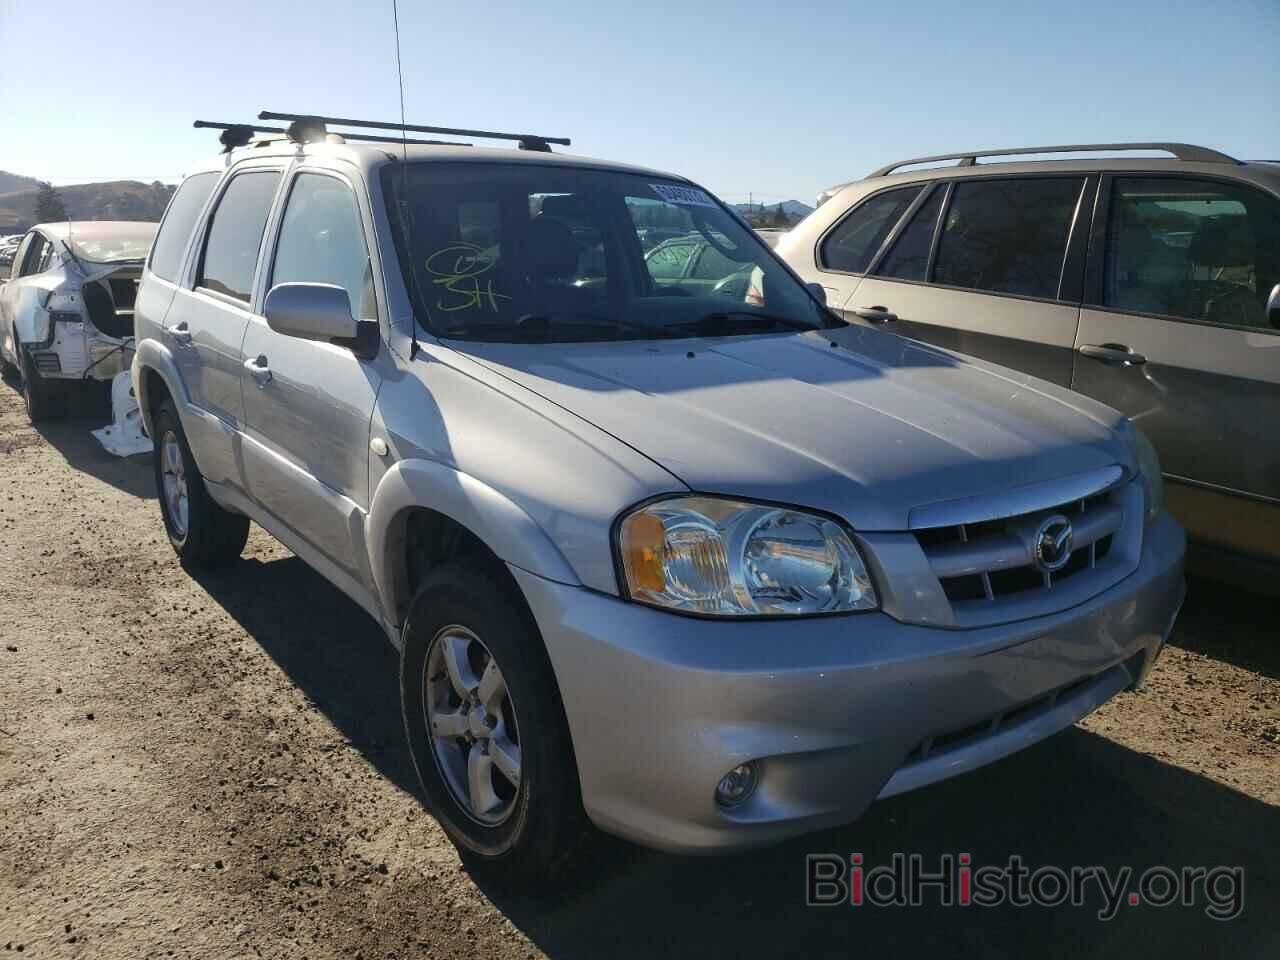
x: 1181, y: 151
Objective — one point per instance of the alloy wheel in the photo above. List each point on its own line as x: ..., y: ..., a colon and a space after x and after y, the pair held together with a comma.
x: 471, y: 723
x: 174, y: 481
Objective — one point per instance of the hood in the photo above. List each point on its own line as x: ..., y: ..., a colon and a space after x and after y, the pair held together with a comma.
x: 853, y: 421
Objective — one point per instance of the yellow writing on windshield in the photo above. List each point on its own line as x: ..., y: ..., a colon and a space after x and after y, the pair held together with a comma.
x: 459, y: 268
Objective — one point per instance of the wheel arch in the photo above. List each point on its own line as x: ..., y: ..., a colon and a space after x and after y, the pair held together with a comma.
x: 423, y: 512
x: 156, y: 377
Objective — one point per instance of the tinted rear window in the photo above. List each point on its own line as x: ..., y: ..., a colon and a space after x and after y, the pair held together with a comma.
x: 851, y: 245
x: 1008, y: 236
x: 235, y: 234
x: 171, y: 241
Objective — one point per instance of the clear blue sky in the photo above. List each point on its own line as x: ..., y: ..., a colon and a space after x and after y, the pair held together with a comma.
x: 779, y: 98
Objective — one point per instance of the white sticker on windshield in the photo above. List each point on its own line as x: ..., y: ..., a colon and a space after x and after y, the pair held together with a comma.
x: 686, y: 196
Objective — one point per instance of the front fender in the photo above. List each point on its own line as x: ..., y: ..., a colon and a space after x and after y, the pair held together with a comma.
x: 499, y: 523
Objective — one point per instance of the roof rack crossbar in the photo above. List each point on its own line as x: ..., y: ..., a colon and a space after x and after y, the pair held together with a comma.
x: 527, y: 141
x: 247, y: 130
x: 1182, y: 151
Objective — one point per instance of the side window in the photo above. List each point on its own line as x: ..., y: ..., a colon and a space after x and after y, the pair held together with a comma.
x: 1196, y: 249
x: 235, y: 234
x: 20, y: 256
x: 851, y: 246
x: 48, y: 258
x: 36, y: 248
x: 667, y: 261
x: 1008, y: 236
x: 171, y: 242
x: 322, y: 241
x: 908, y: 258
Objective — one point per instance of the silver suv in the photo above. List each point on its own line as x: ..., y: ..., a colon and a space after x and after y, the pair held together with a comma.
x: 1151, y: 284
x: 704, y: 568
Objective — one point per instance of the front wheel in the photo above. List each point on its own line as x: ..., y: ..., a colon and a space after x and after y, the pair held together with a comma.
x: 201, y: 532
x: 485, y: 724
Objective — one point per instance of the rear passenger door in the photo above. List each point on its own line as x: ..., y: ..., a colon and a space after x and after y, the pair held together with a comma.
x: 206, y: 324
x: 308, y: 404
x: 1175, y: 333
x: 990, y: 267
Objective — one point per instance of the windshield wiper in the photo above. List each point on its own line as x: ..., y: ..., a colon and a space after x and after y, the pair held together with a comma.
x: 538, y: 323
x: 722, y: 320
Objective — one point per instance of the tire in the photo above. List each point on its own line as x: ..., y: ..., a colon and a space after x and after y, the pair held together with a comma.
x: 530, y: 828
x: 201, y: 532
x: 8, y: 371
x: 45, y: 400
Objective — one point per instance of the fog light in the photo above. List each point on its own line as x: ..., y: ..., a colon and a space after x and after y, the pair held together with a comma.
x: 738, y: 784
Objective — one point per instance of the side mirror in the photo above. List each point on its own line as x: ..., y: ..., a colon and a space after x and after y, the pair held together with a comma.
x: 819, y: 291
x: 310, y: 311
x: 1273, y: 307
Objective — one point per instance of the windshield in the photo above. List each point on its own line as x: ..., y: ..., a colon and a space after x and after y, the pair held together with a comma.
x: 111, y: 244
x: 534, y: 252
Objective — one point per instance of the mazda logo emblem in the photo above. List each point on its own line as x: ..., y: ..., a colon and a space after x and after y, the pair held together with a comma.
x: 1052, y: 545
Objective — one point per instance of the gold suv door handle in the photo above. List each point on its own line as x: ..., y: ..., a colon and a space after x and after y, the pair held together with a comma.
x: 1116, y: 354
x: 875, y: 314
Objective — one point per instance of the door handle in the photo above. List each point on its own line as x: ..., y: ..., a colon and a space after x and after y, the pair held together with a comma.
x: 875, y: 314
x: 180, y: 332
x: 259, y: 369
x: 1116, y: 354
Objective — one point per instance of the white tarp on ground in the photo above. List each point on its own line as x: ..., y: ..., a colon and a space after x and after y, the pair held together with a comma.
x: 123, y: 436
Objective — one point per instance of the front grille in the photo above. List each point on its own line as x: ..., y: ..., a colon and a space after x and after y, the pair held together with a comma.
x: 988, y: 567
x: 47, y: 362
x: 958, y: 738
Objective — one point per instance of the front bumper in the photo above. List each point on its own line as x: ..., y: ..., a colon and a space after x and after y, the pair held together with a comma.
x: 838, y: 711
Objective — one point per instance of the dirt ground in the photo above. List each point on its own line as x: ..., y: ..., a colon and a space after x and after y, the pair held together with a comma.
x: 215, y: 768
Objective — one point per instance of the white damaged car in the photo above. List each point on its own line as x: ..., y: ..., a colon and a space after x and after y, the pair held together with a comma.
x: 66, y: 311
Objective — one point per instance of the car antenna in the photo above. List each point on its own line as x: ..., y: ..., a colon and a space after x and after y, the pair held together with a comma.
x: 405, y: 221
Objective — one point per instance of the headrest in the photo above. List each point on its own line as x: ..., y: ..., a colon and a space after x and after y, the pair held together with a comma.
x: 565, y: 205
x: 550, y: 250
x: 1223, y: 242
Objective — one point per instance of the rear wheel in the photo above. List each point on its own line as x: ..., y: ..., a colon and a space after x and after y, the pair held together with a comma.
x: 45, y: 399
x: 485, y: 724
x: 201, y: 532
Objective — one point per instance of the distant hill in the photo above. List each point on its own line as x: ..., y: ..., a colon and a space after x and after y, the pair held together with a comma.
x: 13, y: 182
x: 766, y: 214
x: 114, y: 200
x: 792, y: 208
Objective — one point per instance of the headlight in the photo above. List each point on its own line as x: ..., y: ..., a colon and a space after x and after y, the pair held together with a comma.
x: 1149, y: 466
x: 717, y: 557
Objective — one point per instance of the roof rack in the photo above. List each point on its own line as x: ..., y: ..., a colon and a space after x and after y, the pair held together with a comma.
x: 1181, y: 151
x: 526, y: 141
x: 239, y: 134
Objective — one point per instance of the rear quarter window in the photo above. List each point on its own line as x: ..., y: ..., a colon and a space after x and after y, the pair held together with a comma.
x: 179, y: 219
x: 852, y: 245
